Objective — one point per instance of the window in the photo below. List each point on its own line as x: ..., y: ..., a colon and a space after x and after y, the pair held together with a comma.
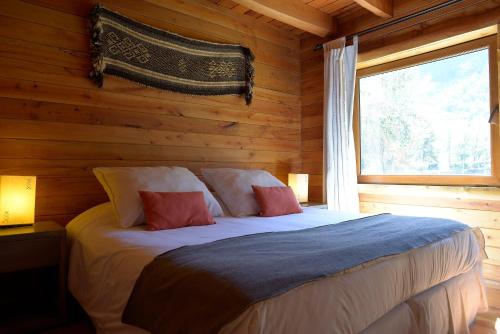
x: 425, y: 119
x: 428, y: 118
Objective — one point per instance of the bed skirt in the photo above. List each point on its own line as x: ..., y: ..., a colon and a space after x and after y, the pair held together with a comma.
x: 449, y: 307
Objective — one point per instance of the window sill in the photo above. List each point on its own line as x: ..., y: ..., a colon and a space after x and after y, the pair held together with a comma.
x: 435, y: 180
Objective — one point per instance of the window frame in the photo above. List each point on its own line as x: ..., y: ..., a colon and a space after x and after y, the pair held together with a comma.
x: 489, y: 42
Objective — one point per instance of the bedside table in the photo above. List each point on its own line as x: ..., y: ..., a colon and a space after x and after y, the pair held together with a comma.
x: 314, y: 205
x: 32, y: 277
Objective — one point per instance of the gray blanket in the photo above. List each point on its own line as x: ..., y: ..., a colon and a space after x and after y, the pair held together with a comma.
x: 199, y: 289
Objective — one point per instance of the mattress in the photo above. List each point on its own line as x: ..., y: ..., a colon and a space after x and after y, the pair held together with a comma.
x: 106, y: 260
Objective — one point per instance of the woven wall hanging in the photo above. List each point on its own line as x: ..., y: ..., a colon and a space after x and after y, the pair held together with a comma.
x: 157, y: 58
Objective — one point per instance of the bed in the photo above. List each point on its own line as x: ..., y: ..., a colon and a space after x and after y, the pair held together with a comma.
x: 431, y: 289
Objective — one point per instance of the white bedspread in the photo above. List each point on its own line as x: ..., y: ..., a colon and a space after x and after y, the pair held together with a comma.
x: 106, y: 260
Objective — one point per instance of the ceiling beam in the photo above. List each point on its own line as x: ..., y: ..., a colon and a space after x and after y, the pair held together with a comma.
x: 382, y: 8
x: 336, y: 6
x: 295, y: 13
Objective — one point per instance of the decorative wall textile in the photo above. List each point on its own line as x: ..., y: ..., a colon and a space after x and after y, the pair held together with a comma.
x: 157, y: 58
x: 340, y: 157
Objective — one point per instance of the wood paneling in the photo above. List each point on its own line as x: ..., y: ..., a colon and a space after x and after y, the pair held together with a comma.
x: 294, y: 13
x: 56, y: 124
x: 312, y: 117
x: 471, y: 17
x: 475, y: 206
x: 334, y: 8
x: 382, y: 8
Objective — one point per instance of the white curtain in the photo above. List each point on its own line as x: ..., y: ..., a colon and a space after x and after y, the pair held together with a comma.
x: 339, y: 152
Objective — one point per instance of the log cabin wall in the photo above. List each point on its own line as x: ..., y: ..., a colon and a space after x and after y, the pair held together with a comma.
x: 312, y: 116
x: 56, y: 124
x: 476, y: 206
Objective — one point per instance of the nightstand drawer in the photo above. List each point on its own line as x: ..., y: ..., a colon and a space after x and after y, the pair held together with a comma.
x: 29, y: 253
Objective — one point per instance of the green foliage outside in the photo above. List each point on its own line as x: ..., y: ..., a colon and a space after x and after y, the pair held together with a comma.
x: 430, y: 119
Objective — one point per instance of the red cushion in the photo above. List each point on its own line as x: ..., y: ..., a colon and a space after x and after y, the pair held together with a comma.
x: 276, y: 201
x: 167, y: 210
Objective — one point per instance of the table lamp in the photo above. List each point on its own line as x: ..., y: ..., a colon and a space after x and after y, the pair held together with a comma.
x: 300, y: 186
x: 17, y: 200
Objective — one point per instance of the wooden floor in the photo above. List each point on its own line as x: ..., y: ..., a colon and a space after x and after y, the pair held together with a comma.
x: 80, y: 327
x: 78, y: 322
x: 485, y: 323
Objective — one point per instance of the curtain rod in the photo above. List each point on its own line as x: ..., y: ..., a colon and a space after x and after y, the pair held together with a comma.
x: 400, y: 20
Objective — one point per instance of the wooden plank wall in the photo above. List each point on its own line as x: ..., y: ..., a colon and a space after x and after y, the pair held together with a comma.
x: 473, y: 205
x: 56, y: 124
x: 312, y: 116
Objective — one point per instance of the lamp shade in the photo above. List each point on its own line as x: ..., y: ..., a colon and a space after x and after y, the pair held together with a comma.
x: 300, y: 186
x: 17, y: 200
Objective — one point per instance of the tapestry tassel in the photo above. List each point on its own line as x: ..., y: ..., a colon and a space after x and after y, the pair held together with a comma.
x: 98, y: 65
x: 249, y: 74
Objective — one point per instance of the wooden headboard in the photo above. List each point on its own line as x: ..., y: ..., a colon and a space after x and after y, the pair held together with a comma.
x: 56, y: 124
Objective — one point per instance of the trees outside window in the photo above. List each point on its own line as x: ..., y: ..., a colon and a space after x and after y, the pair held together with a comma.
x: 428, y: 118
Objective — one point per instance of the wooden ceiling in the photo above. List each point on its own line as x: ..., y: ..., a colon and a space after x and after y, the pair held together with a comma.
x: 338, y: 10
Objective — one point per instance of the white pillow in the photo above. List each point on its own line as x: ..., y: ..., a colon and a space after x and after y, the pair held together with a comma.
x: 234, y: 187
x: 225, y: 210
x: 122, y: 184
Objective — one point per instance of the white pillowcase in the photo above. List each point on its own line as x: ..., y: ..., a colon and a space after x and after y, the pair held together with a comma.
x: 122, y: 184
x: 234, y: 187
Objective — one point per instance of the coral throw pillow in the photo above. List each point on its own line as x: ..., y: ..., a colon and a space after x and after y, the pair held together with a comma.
x: 168, y: 210
x: 276, y: 201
